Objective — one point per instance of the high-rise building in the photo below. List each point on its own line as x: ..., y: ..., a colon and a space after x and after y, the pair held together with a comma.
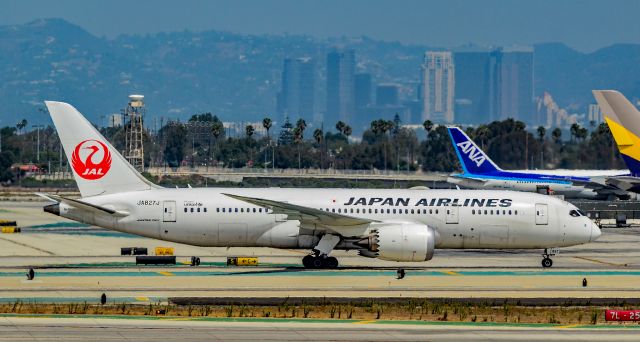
x: 341, y: 67
x: 516, y: 85
x: 363, y: 101
x: 438, y: 80
x: 297, y: 96
x: 472, y: 87
x: 387, y: 95
x: 363, y: 90
x: 494, y: 85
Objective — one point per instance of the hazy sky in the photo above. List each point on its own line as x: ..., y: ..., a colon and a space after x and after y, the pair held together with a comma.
x: 582, y: 24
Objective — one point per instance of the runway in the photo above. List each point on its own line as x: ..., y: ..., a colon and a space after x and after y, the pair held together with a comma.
x: 145, y: 329
x: 75, y: 263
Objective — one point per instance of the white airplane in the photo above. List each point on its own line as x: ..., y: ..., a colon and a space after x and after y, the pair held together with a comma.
x: 397, y: 225
x: 480, y: 172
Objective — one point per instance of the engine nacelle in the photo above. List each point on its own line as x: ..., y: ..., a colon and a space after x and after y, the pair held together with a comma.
x: 400, y: 242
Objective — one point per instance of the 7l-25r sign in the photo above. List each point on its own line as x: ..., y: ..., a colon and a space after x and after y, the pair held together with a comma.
x: 622, y: 315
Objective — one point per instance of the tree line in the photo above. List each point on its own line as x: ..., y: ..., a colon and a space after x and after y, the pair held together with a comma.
x: 203, y: 141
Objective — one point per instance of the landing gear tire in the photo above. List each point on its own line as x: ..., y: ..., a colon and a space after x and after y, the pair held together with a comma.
x: 307, y: 261
x: 317, y: 262
x: 547, y: 262
x: 311, y: 261
x: 331, y: 262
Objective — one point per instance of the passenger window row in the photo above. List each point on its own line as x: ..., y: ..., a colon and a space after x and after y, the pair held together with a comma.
x: 357, y: 211
x: 243, y: 210
x: 194, y: 210
x: 381, y: 211
x: 494, y: 212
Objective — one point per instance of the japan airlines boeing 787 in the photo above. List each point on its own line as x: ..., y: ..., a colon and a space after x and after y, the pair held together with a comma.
x: 398, y: 225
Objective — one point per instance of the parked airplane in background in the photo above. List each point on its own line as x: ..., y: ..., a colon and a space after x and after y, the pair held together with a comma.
x: 480, y: 172
x: 397, y: 225
x: 623, y: 120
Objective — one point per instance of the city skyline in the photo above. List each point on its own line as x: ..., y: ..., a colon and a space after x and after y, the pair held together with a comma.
x: 247, y: 72
x: 458, y: 22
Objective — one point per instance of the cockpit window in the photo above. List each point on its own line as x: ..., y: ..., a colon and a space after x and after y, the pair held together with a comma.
x: 582, y: 213
x: 574, y: 213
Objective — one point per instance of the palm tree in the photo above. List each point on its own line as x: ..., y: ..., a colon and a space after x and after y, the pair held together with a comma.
x: 582, y: 134
x: 267, y: 123
x: 428, y: 126
x: 298, y: 138
x: 347, y: 131
x: 21, y: 125
x: 541, y: 133
x: 482, y: 133
x: 376, y: 126
x: 217, y: 129
x: 340, y: 126
x: 318, y: 135
x: 301, y: 124
x: 574, y: 130
x: 386, y: 126
x: 249, y: 130
x: 556, y: 135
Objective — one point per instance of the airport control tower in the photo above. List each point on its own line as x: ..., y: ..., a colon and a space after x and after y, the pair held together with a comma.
x: 133, y: 115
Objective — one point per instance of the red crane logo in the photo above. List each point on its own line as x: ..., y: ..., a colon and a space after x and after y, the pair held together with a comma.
x: 83, y: 162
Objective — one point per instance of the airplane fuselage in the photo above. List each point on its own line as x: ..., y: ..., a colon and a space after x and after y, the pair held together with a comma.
x: 461, y: 218
x: 564, y: 188
x: 569, y: 186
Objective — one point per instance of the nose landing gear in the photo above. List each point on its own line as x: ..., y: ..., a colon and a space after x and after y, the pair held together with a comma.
x: 546, y: 260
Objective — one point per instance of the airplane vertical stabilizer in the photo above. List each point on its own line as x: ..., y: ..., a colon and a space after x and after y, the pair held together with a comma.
x: 472, y: 158
x: 623, y: 120
x: 97, y: 166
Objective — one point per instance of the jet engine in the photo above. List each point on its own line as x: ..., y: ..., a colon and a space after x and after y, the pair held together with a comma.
x: 399, y: 242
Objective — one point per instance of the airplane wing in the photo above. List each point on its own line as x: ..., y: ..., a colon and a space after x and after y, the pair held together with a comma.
x: 607, y: 187
x: 305, y: 214
x: 479, y: 181
x: 83, y: 205
x: 589, y: 184
x: 625, y: 183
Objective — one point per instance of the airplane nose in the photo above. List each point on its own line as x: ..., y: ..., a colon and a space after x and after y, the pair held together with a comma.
x: 595, y: 232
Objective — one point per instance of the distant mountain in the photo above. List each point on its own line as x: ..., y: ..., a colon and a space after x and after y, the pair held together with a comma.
x: 180, y: 73
x: 236, y: 76
x: 570, y: 75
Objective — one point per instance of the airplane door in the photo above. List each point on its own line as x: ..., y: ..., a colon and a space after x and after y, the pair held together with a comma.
x: 542, y: 214
x: 451, y: 215
x: 169, y: 211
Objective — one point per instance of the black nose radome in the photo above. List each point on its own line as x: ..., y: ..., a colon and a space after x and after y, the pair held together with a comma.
x: 53, y: 209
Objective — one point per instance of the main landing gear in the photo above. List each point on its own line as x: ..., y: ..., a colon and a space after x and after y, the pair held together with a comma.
x: 319, y: 261
x: 546, y: 260
x: 320, y: 257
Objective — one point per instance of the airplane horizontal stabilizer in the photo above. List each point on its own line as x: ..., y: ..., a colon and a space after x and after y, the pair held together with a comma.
x: 79, y: 204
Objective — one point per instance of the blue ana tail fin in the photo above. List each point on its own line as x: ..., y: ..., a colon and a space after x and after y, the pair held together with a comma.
x: 472, y: 158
